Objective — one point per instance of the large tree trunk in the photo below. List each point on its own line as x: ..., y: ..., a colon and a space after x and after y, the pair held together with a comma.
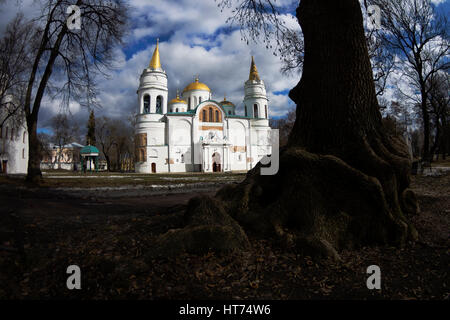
x: 342, y: 182
x: 34, y: 173
x: 426, y: 156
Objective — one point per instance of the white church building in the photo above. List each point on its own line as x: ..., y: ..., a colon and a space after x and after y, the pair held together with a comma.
x: 13, y: 139
x: 194, y: 132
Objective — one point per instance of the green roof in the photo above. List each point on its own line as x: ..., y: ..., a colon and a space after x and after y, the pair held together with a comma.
x: 89, y: 149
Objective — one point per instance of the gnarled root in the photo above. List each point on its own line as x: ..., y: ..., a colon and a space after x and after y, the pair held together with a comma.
x: 318, y: 204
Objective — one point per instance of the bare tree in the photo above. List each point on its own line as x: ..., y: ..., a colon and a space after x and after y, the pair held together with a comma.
x: 75, y: 57
x: 419, y: 37
x: 64, y: 133
x: 115, y: 138
x: 439, y: 104
x: 14, y: 66
x: 284, y: 125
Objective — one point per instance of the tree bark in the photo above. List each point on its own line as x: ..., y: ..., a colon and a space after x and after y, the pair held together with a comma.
x: 34, y: 173
x: 426, y: 156
x: 342, y: 181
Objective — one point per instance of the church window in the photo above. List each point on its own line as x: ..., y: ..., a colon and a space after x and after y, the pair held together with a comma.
x: 200, y: 100
x: 12, y: 134
x: 182, y: 158
x: 146, y: 103
x: 24, y: 137
x: 23, y: 153
x: 189, y: 103
x: 266, y: 111
x: 246, y: 112
x: 210, y: 115
x: 1, y: 131
x: 204, y: 115
x: 176, y: 110
x: 255, y: 111
x: 159, y: 100
x: 217, y: 116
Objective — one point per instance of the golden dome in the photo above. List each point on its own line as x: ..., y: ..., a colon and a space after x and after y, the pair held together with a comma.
x: 177, y: 100
x: 226, y: 102
x: 196, y: 85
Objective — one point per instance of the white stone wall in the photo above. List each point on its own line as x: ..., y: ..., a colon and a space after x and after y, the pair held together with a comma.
x: 15, y: 150
x: 196, y: 97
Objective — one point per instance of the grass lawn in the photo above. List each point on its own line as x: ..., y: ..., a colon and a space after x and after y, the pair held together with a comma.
x: 69, y: 179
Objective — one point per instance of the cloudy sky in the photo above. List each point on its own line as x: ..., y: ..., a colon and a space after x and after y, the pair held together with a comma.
x: 194, y: 39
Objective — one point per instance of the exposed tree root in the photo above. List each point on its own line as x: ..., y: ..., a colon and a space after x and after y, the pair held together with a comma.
x: 316, y: 203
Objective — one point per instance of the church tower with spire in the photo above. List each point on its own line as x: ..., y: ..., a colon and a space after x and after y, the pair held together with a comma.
x: 255, y: 99
x: 153, y: 91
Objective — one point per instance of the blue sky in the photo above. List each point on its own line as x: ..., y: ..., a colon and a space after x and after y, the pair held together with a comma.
x: 194, y: 39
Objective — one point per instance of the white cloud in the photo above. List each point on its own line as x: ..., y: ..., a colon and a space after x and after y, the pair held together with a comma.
x: 438, y: 2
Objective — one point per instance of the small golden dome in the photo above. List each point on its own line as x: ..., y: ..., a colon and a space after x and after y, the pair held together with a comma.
x: 177, y: 100
x: 196, y: 85
x: 226, y: 102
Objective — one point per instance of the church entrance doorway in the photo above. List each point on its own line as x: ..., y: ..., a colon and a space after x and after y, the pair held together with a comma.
x: 216, y: 162
x: 153, y: 167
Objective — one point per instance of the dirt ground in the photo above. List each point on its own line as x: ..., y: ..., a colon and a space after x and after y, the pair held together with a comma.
x: 107, y: 234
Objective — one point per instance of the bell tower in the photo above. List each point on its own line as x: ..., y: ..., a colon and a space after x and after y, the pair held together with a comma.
x: 255, y: 100
x: 153, y: 91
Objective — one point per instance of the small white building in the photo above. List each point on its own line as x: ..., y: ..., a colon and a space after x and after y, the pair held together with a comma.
x: 194, y: 132
x: 66, y: 157
x: 13, y: 140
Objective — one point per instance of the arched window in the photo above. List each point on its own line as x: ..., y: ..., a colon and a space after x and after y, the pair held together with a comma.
x: 146, y: 103
x: 189, y: 103
x: 6, y: 133
x: 266, y: 111
x: 176, y: 110
x: 24, y: 137
x: 200, y: 100
x: 210, y: 115
x: 255, y: 111
x: 159, y: 101
x: 23, y: 153
x: 12, y: 134
x: 217, y: 116
x: 1, y: 131
x: 246, y: 114
x: 204, y: 115
x: 182, y: 158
